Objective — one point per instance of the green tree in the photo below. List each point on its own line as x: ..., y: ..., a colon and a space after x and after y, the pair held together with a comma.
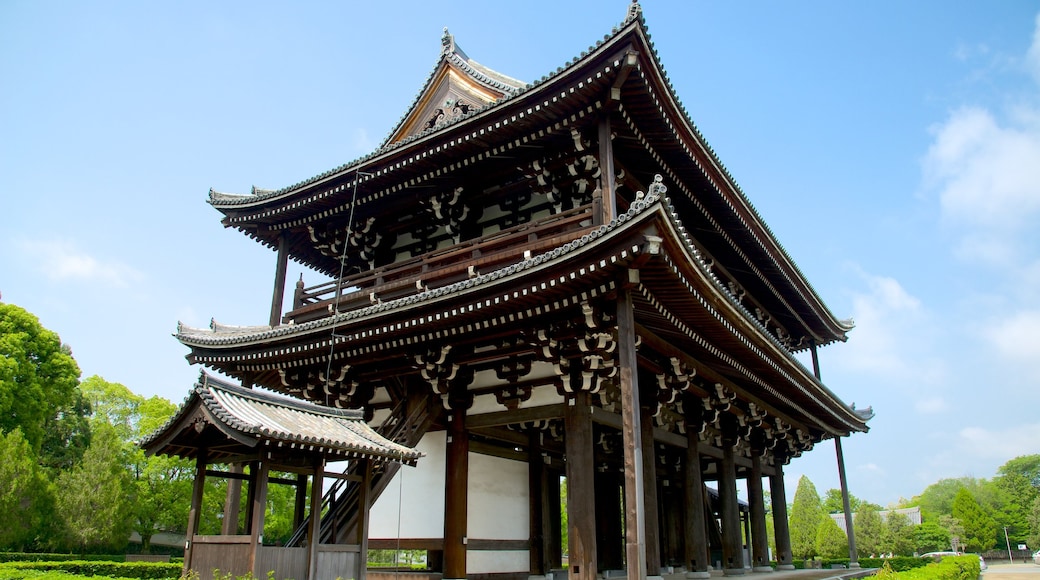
x: 831, y: 541
x: 806, y: 512
x: 162, y: 484
x: 980, y: 529
x: 937, y: 499
x: 38, y: 380
x: 1034, y: 524
x: 869, y: 529
x: 1027, y: 466
x: 832, y: 502
x: 954, y: 527
x: 26, y: 499
x: 1015, y: 495
x: 931, y: 537
x: 92, y: 497
x: 899, y: 535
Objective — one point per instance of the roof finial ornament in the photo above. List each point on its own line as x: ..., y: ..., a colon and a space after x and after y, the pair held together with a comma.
x: 634, y: 9
x: 447, y: 42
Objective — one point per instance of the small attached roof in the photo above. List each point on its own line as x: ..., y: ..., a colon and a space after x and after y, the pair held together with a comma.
x: 228, y: 421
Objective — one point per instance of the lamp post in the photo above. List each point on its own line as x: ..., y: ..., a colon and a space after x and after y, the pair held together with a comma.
x: 1008, y: 542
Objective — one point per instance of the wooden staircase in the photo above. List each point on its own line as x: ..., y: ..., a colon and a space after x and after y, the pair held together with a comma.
x: 406, y: 425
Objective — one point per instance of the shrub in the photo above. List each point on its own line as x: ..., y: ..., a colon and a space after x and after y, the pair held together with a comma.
x: 143, y: 570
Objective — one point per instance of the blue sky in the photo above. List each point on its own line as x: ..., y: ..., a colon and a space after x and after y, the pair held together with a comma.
x: 892, y: 147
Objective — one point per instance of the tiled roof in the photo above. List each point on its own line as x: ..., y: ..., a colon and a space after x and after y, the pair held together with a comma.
x: 282, y: 421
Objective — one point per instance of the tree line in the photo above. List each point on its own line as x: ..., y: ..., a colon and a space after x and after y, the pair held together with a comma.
x: 72, y: 478
x: 961, y: 514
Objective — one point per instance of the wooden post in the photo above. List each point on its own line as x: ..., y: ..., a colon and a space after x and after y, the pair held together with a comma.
x: 554, y: 536
x: 195, y: 512
x: 732, y: 546
x: 781, y: 530
x: 610, y: 531
x: 697, y: 553
x: 254, y: 467
x: 539, y: 535
x: 231, y: 503
x: 300, y: 507
x: 279, y: 280
x: 849, y: 531
x: 631, y: 431
x: 607, y: 194
x: 364, y: 505
x: 581, y: 490
x: 756, y: 502
x: 259, y: 505
x: 456, y: 481
x: 650, y: 516
x: 314, y: 526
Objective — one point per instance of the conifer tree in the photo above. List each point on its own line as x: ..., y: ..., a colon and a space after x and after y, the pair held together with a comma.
x: 980, y: 529
x: 806, y: 512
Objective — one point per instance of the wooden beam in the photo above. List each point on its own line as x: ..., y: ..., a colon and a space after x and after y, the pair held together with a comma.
x: 631, y: 433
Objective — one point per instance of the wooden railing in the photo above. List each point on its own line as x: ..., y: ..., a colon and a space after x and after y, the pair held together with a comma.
x: 440, y: 267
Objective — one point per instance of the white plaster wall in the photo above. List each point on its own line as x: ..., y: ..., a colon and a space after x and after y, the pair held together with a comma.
x: 422, y: 507
x: 497, y: 508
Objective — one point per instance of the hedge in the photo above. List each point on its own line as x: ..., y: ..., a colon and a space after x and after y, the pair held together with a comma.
x: 949, y: 568
x: 143, y: 570
x: 34, y: 557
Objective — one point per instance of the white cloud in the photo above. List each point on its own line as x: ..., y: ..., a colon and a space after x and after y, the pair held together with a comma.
x: 1017, y: 337
x: 999, y: 445
x: 1032, y: 60
x: 62, y: 261
x: 931, y: 405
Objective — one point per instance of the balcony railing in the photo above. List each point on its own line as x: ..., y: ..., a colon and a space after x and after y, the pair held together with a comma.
x: 440, y: 267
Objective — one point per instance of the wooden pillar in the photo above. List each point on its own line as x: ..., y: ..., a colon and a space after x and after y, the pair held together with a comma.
x: 698, y: 556
x: 279, y: 280
x: 733, y: 560
x: 781, y: 530
x: 606, y: 209
x: 300, y: 506
x: 610, y: 545
x: 456, y: 482
x: 195, y: 512
x: 254, y: 467
x: 257, y: 509
x: 555, y: 533
x: 631, y: 430
x: 537, y: 483
x: 314, y: 526
x: 231, y: 502
x: 581, y: 489
x: 850, y: 532
x: 364, y: 505
x: 650, y: 512
x: 756, y: 501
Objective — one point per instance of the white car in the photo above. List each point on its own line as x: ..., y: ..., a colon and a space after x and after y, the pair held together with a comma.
x: 1036, y: 557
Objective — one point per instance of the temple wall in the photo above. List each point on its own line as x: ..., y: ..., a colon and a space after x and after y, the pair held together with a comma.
x: 498, y: 505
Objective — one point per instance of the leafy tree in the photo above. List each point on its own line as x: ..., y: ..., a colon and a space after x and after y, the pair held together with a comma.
x: 937, y: 499
x: 1015, y: 496
x: 899, y: 535
x: 832, y: 502
x: 954, y: 527
x: 162, y: 484
x: 931, y: 537
x: 38, y: 379
x: 831, y: 541
x: 869, y: 529
x: 1034, y: 523
x: 26, y: 499
x: 980, y: 529
x: 806, y: 514
x: 1027, y: 466
x: 92, y: 497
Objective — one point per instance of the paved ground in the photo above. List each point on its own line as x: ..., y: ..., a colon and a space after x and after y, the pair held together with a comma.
x: 1027, y: 571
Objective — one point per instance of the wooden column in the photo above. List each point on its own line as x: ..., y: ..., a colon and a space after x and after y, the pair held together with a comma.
x: 606, y: 209
x: 698, y: 557
x: 195, y: 512
x: 650, y: 513
x: 581, y: 489
x: 279, y: 280
x: 456, y: 482
x: 314, y: 527
x: 850, y: 532
x: 257, y: 509
x: 537, y: 483
x: 610, y: 532
x: 631, y: 430
x: 555, y: 515
x: 732, y: 545
x: 756, y: 501
x: 364, y: 505
x: 300, y: 506
x: 229, y: 526
x: 781, y: 530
